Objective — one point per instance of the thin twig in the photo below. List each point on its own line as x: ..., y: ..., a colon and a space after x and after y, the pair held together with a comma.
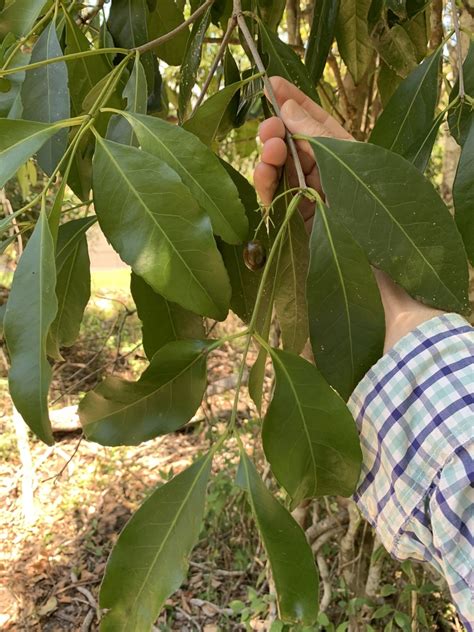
x: 225, y: 40
x: 457, y: 30
x: 144, y: 48
x: 9, y: 210
x: 268, y: 86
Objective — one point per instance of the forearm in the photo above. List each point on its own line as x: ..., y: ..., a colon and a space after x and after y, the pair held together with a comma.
x: 402, y: 312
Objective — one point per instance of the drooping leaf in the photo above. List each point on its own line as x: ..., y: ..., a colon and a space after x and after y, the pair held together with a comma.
x: 84, y: 73
x: 19, y: 140
x: 290, y: 297
x: 165, y: 17
x: 10, y: 100
x: 207, y: 120
x: 309, y: 436
x: 135, y: 92
x: 162, y: 321
x: 191, y: 62
x: 200, y: 170
x: 397, y: 217
x: 150, y: 560
x: 387, y: 82
x: 156, y: 226
x: 419, y: 30
x: 321, y: 37
x: 463, y: 194
x: 31, y: 308
x: 397, y: 50
x: 353, y: 39
x: 283, y: 61
x: 45, y: 96
x: 291, y: 560
x: 19, y: 16
x: 346, y: 316
x: 271, y: 12
x: 166, y: 396
x: 73, y: 283
x: 409, y: 115
x: 460, y: 116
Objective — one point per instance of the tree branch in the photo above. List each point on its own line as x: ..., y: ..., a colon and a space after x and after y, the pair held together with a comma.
x: 268, y: 86
x: 225, y: 40
x: 144, y: 48
x: 462, y: 92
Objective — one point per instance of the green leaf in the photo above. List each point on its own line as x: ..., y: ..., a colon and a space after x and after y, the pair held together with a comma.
x: 200, y: 170
x: 419, y: 155
x: 31, y: 308
x: 135, y: 92
x: 408, y: 116
x: 321, y: 37
x: 271, y: 12
x: 84, y: 73
x: 419, y: 30
x: 165, y: 17
x: 19, y: 140
x: 10, y: 102
x: 150, y: 560
x: 154, y: 223
x: 191, y: 62
x: 397, y: 50
x: 353, y: 39
x: 45, y: 96
x: 463, y: 194
x: 382, y: 612
x: 398, y: 7
x: 73, y: 283
x: 460, y: 116
x: 19, y: 16
x: 290, y: 297
x: 162, y: 321
x: 346, y: 316
x: 166, y: 396
x: 397, y: 217
x: 291, y: 560
x: 309, y: 436
x: 284, y: 62
x: 206, y: 121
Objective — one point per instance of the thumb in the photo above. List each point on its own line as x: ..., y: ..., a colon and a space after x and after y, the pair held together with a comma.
x: 299, y: 121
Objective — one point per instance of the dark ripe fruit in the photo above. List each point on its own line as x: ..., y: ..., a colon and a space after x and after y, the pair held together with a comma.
x: 255, y: 255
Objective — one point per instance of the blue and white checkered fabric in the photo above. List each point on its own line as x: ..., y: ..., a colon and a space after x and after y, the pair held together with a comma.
x: 415, y: 413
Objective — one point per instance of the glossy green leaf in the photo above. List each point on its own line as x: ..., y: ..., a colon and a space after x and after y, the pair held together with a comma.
x: 420, y: 154
x: 271, y: 12
x: 19, y: 140
x: 291, y: 560
x: 73, y: 283
x: 408, y: 116
x: 162, y: 321
x: 165, y: 17
x: 284, y: 62
x: 191, y: 62
x: 321, y: 37
x: 463, y: 194
x: 207, y: 120
x: 397, y: 217
x: 156, y: 226
x: 290, y: 297
x: 309, y: 436
x: 150, y: 560
x: 199, y: 169
x: 346, y: 316
x: 45, y: 96
x: 353, y: 39
x: 166, y: 396
x: 397, y: 50
x: 135, y: 93
x: 460, y: 116
x: 84, y: 73
x: 19, y: 16
x: 31, y: 308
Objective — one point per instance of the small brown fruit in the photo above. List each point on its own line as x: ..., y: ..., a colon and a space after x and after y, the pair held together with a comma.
x: 255, y: 255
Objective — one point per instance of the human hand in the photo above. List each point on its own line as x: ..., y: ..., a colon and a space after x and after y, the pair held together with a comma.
x: 300, y: 115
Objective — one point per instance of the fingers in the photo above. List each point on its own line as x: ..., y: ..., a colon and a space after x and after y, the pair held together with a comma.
x: 275, y: 152
x: 271, y: 128
x: 266, y: 179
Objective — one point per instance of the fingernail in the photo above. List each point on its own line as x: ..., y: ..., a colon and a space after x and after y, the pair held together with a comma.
x: 293, y: 110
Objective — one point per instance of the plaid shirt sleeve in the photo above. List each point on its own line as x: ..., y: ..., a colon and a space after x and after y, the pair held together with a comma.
x: 415, y: 413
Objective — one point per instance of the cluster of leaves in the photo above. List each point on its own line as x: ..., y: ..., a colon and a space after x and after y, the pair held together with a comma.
x: 89, y: 101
